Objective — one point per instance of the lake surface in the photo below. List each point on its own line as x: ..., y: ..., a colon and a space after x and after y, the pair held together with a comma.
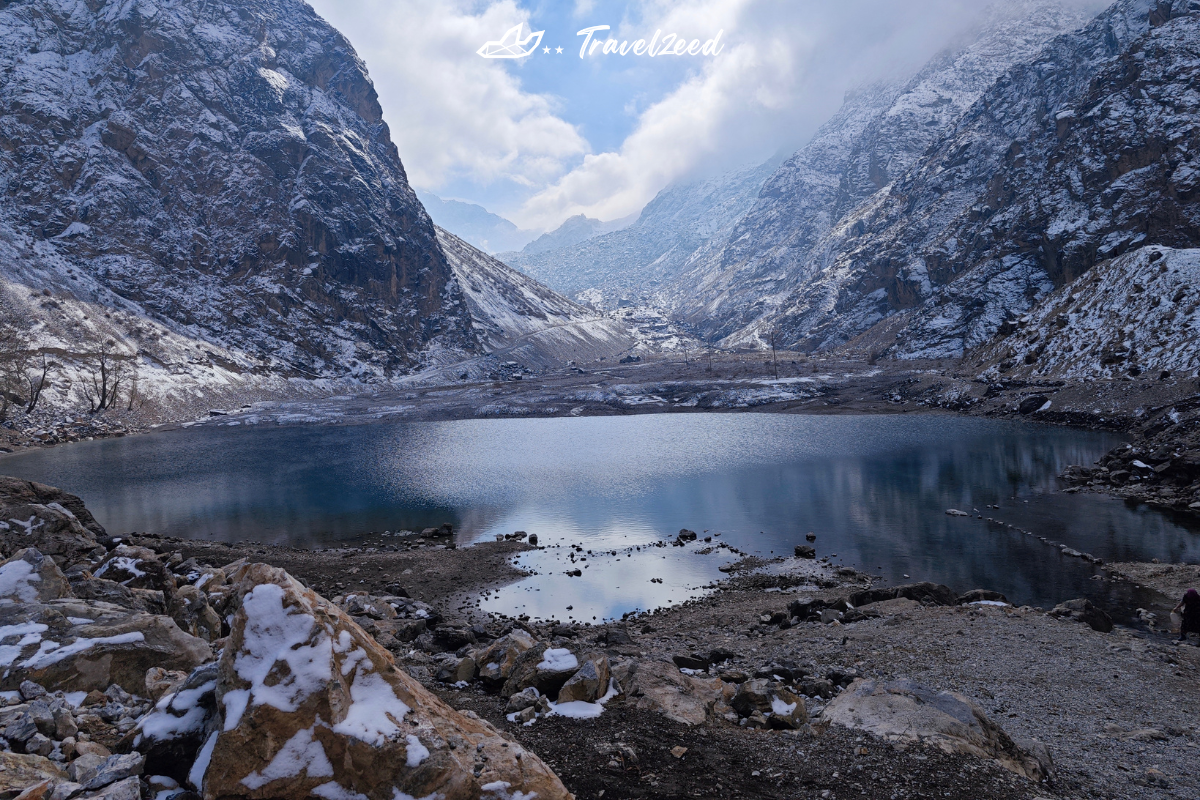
x: 874, y: 490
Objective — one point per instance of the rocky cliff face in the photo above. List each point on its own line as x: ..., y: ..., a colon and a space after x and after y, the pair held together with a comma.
x: 1070, y: 158
x: 225, y: 167
x: 213, y: 189
x: 635, y: 262
x: 781, y: 245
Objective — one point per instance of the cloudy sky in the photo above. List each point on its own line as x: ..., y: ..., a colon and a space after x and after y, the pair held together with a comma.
x: 540, y: 138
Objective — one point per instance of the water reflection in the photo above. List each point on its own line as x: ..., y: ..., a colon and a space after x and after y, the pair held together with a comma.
x: 874, y: 489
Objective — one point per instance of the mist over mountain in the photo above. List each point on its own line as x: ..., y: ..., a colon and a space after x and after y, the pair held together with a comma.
x: 476, y: 225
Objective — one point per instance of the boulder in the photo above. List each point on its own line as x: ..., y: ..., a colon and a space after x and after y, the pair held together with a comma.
x: 87, y: 587
x: 127, y: 789
x: 170, y: 736
x: 1032, y: 403
x: 660, y: 686
x: 136, y: 568
x: 925, y: 592
x: 545, y: 668
x: 79, y: 645
x: 805, y: 551
x: 1083, y: 610
x: 904, y: 711
x: 310, y: 705
x: 189, y: 608
x: 590, y: 683
x: 30, y: 577
x: 45, y: 518
x: 496, y: 662
x: 161, y: 681
x: 19, y: 771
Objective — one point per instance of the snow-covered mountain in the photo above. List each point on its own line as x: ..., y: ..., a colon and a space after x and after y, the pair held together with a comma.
x: 213, y: 188
x: 781, y: 246
x: 475, y: 225
x: 1080, y: 151
x: 631, y: 263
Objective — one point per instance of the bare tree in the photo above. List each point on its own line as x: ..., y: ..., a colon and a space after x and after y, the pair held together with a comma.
x: 35, y: 378
x: 774, y: 333
x: 14, y: 354
x: 105, y: 381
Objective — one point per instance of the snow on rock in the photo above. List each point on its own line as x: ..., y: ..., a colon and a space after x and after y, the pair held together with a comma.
x: 312, y: 705
x: 30, y: 577
x: 1138, y: 313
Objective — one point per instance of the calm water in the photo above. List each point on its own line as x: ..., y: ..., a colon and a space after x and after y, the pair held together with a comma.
x: 874, y: 489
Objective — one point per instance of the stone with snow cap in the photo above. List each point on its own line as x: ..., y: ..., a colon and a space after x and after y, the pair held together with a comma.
x: 80, y: 645
x: 46, y: 518
x: 310, y: 705
x: 137, y: 568
x: 30, y: 577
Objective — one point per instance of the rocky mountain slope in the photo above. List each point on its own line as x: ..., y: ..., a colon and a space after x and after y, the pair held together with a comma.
x: 476, y: 225
x: 212, y: 188
x: 633, y: 262
x: 780, y: 246
x: 1071, y: 158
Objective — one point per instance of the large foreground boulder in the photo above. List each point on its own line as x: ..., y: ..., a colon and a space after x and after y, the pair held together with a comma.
x: 310, y: 705
x: 660, y: 686
x: 49, y: 519
x: 30, y: 577
x: 903, y: 711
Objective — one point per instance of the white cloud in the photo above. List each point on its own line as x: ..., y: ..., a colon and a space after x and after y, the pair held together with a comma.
x: 452, y: 113
x: 784, y: 71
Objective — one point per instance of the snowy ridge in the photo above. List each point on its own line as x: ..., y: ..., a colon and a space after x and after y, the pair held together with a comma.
x: 632, y: 263
x: 780, y: 247
x: 1136, y: 313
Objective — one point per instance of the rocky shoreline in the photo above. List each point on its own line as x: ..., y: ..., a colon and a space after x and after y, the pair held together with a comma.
x: 141, y: 666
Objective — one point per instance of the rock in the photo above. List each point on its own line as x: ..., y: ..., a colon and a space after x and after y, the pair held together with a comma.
x: 170, y: 736
x: 115, y: 768
x: 189, y: 608
x: 660, y: 686
x: 37, y: 791
x: 981, y: 595
x: 788, y: 711
x: 39, y: 744
x: 829, y: 615
x: 533, y: 539
x: 64, y: 790
x: 693, y: 662
x: 497, y: 661
x: 1083, y: 610
x: 86, y: 587
x: 925, y: 592
x: 161, y: 681
x: 805, y: 551
x: 904, y: 711
x: 806, y: 607
x: 751, y: 696
x: 1032, y: 403
x: 64, y: 724
x: 18, y: 772
x: 545, y: 668
x: 31, y: 691
x: 30, y: 577
x: 92, y: 748
x: 47, y: 519
x: 311, y: 705
x: 84, y: 767
x: 452, y: 638
x: 127, y: 789
x: 954, y: 512
x: 117, y: 647
x: 522, y: 700
x: 589, y: 684
x: 136, y: 568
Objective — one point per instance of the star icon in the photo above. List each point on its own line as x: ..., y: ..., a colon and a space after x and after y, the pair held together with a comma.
x: 558, y: 50
x: 546, y: 50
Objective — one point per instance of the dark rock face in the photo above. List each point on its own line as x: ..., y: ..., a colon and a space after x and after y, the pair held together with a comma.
x: 227, y: 168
